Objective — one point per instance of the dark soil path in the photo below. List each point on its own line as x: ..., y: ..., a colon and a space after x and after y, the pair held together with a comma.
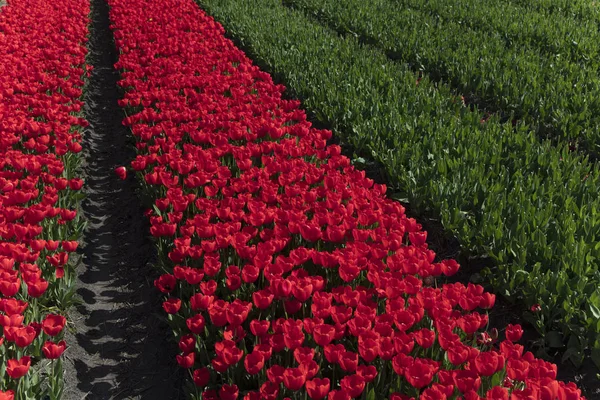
x: 119, y: 348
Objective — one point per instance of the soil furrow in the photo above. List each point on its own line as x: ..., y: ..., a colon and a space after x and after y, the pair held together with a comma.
x: 119, y: 348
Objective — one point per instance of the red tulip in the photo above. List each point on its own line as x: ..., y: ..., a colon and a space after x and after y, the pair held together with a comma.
x: 317, y: 388
x: 24, y: 336
x: 53, y: 350
x: 458, y: 354
x: 70, y: 246
x: 229, y: 352
x: 201, y: 377
x: 18, y: 368
x: 228, y: 392
x: 488, y: 363
x: 262, y: 299
x: 294, y: 338
x: 9, y: 287
x: 536, y: 308
x: 8, y: 395
x: 210, y: 395
x: 338, y: 395
x: 121, y: 172
x: 348, y: 360
x: 75, y: 183
x: 293, y: 378
x: 275, y: 374
x: 420, y: 373
x: 217, y: 313
x: 467, y: 380
x: 37, y: 287
x: 323, y: 334
x: 487, y: 301
x: 237, y: 312
x: 368, y: 349
x: 353, y: 385
x: 172, y: 305
x: 53, y: 324
x: 254, y: 362
x: 259, y: 328
x: 514, y: 332
x: 13, y: 306
x: 186, y: 360
x: 517, y: 370
x: 196, y: 324
x: 368, y: 372
x: 424, y: 337
x: 497, y: 393
x: 187, y: 343
x: 304, y: 354
x: 52, y: 245
x: 165, y: 283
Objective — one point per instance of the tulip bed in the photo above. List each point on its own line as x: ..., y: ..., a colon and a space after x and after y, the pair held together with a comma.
x: 530, y: 206
x: 287, y: 273
x: 42, y: 68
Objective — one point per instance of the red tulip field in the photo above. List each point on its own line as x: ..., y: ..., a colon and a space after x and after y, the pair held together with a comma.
x: 173, y: 226
x: 42, y: 69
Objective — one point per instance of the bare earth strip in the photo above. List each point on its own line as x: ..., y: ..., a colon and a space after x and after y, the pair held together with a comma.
x: 119, y: 348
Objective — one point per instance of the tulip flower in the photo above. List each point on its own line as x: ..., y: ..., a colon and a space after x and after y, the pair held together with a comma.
x: 18, y: 368
x: 121, y: 172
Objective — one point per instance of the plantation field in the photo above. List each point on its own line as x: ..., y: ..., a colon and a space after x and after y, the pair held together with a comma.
x: 552, y: 87
x: 502, y: 191
x: 263, y: 171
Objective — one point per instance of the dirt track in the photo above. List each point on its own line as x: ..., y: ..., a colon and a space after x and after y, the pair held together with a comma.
x: 119, y: 348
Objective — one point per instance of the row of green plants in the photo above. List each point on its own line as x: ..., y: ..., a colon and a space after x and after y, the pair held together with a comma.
x: 580, y: 9
x: 531, y: 206
x: 556, y: 97
x: 553, y: 33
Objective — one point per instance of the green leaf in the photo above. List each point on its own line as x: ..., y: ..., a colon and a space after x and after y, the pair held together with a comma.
x: 497, y: 378
x: 533, y: 320
x: 596, y: 356
x: 574, y: 355
x: 371, y: 395
x: 359, y: 161
x: 554, y: 339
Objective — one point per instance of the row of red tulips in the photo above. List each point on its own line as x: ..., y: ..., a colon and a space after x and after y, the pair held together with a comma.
x: 288, y: 274
x: 42, y: 67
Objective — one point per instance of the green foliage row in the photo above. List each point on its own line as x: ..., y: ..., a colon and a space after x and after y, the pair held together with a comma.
x: 585, y: 10
x: 556, y: 97
x: 531, y: 206
x: 555, y: 34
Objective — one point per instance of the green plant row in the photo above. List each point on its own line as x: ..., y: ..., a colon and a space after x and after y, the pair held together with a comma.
x: 553, y: 33
x: 531, y: 206
x: 581, y: 9
x: 556, y: 97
